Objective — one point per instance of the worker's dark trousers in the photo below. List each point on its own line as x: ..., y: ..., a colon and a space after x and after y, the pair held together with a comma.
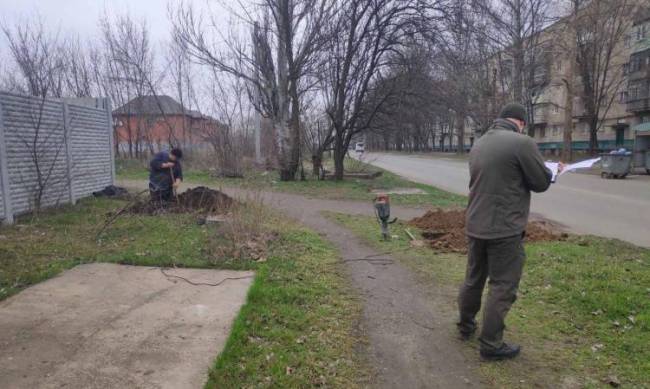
x: 161, y: 195
x: 501, y: 261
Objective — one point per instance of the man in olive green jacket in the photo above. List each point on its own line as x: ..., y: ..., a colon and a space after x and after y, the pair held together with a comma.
x: 505, y: 166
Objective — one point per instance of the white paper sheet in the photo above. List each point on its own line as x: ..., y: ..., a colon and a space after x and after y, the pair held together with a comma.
x: 554, y: 167
x: 581, y: 165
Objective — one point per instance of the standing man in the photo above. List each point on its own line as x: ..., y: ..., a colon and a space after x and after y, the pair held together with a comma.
x: 505, y: 166
x: 165, y: 174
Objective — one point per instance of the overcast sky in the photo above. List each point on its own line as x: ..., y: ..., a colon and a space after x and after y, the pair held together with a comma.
x: 81, y: 16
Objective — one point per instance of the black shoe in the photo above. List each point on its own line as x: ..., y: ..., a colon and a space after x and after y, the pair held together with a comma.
x: 466, y: 335
x: 466, y: 330
x: 504, y: 352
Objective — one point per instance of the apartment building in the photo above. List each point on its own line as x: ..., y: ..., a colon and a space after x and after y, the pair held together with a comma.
x: 637, y: 94
x: 629, y: 71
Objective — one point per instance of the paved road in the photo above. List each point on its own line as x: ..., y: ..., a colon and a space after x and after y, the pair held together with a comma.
x: 586, y: 204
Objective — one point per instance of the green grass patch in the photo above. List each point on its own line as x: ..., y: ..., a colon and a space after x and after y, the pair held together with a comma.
x: 136, y: 169
x: 37, y: 248
x: 295, y: 331
x: 583, y: 312
x: 296, y: 328
x: 350, y: 188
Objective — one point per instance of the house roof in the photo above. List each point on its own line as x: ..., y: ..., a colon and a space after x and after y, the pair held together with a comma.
x: 155, y: 105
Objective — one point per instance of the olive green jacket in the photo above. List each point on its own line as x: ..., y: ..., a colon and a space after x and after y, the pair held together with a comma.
x: 505, y: 166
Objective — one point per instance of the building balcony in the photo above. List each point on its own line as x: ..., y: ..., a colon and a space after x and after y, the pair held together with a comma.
x: 541, y: 78
x: 541, y: 115
x: 638, y: 104
x: 639, y: 75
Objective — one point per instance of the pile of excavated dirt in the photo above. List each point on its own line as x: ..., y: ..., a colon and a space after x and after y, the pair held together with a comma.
x: 195, y: 200
x: 445, y: 230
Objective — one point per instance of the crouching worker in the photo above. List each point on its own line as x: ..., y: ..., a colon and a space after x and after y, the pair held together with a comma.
x: 165, y: 174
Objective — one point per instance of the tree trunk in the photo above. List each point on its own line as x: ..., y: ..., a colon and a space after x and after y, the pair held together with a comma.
x: 567, y: 135
x: 294, y: 162
x: 518, y: 52
x: 460, y: 131
x: 317, y: 162
x: 593, y: 137
x: 285, y: 136
x: 339, y: 157
x: 339, y: 168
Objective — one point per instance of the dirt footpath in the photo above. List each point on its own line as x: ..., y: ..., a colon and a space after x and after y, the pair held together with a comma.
x: 113, y: 326
x: 410, y: 327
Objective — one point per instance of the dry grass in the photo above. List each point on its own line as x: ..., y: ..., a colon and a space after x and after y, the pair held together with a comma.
x: 244, y: 233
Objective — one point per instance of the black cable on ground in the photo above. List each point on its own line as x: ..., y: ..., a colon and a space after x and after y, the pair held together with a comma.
x: 162, y: 270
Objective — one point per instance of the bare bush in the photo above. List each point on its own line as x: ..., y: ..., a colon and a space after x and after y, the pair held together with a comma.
x: 244, y: 233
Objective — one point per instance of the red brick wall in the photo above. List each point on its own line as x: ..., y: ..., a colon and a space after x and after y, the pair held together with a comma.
x: 154, y: 132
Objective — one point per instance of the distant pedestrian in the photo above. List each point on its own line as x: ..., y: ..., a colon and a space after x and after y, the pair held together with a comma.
x: 165, y: 174
x: 505, y: 166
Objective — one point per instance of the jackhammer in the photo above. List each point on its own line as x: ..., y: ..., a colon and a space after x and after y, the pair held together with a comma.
x: 382, y: 211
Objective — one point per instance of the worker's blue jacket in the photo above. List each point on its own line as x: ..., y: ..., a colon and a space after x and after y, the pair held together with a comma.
x: 160, y: 179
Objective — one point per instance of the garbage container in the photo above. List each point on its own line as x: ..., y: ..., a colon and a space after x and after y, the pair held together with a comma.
x: 616, y: 165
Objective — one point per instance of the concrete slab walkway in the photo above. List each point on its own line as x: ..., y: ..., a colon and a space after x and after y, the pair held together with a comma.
x: 113, y: 326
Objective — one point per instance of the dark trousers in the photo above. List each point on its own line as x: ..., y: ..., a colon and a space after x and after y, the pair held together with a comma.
x: 500, y: 261
x: 160, y: 194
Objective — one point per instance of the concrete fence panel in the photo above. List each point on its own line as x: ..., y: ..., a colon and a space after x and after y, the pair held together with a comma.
x: 51, y: 152
x: 92, y: 163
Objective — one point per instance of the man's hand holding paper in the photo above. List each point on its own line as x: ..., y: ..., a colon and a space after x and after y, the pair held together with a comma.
x: 559, y: 168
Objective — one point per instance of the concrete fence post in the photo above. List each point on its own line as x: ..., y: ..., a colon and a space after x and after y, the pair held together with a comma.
x: 67, y: 137
x: 4, y: 173
x: 111, y: 140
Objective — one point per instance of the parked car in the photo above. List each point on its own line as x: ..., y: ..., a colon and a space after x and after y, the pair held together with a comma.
x: 359, y: 147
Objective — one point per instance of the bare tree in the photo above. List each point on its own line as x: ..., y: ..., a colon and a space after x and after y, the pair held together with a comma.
x: 180, y: 75
x: 406, y: 120
x: 360, y: 38
x: 130, y: 60
x: 317, y: 133
x: 78, y: 76
x: 292, y: 28
x: 40, y: 60
x: 230, y: 133
x: 601, y: 26
x: 461, y: 67
x: 45, y: 144
x: 515, y: 27
x: 38, y: 56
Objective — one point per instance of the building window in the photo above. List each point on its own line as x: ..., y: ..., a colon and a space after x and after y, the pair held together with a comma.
x: 542, y: 132
x: 556, y: 109
x: 626, y: 68
x: 623, y: 97
x: 640, y: 33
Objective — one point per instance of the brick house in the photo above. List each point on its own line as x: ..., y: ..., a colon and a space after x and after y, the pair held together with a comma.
x: 148, y: 124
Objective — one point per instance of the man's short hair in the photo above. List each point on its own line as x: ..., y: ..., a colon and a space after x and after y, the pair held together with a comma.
x: 176, y: 152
